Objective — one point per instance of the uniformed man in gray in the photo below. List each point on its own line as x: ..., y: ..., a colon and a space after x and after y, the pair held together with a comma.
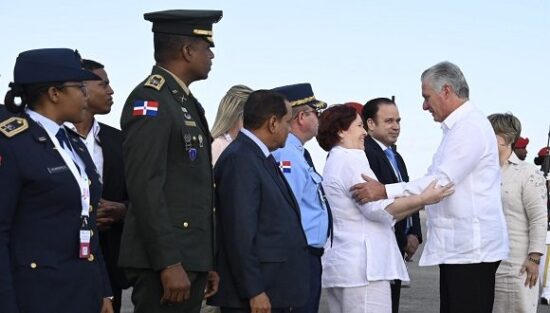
x: 167, y: 244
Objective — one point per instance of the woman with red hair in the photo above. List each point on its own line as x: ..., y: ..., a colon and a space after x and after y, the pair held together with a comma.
x: 364, y: 257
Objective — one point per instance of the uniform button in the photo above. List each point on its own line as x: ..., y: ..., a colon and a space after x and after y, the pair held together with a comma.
x: 185, y: 224
x: 214, y: 209
x: 91, y: 258
x: 33, y: 265
x: 91, y: 208
x: 214, y: 185
x: 91, y: 233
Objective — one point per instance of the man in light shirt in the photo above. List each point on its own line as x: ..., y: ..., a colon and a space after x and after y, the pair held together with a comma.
x: 467, y: 234
x: 104, y: 144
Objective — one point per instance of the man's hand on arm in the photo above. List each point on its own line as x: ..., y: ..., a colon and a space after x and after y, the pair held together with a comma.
x: 175, y: 284
x: 260, y: 304
x: 109, y: 212
x: 370, y: 190
x: 211, y: 284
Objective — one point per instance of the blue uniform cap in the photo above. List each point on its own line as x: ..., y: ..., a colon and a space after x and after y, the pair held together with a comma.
x: 300, y: 94
x: 50, y: 65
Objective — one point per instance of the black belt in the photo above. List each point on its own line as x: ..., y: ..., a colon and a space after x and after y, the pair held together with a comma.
x: 316, y: 251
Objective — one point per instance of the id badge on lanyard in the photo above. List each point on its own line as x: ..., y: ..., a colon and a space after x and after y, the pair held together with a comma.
x: 83, y: 181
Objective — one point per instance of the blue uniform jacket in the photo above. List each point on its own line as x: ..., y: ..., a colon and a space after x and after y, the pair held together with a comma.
x: 40, y: 207
x: 305, y: 183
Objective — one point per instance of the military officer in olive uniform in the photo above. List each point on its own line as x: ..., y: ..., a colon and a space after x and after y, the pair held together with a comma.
x: 167, y: 243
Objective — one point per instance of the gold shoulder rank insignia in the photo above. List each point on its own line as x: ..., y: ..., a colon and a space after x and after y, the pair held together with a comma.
x: 155, y: 81
x: 13, y: 126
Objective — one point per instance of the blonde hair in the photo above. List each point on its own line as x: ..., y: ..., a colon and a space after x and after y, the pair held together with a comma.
x: 506, y: 125
x: 230, y: 109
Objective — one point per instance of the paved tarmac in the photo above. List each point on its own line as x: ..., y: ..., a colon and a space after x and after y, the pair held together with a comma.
x: 421, y: 297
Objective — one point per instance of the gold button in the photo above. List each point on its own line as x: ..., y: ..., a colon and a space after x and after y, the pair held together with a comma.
x: 89, y: 182
x: 33, y: 265
x: 214, y: 185
x: 91, y: 233
x: 91, y: 208
x: 214, y: 209
x: 91, y: 258
x: 185, y: 224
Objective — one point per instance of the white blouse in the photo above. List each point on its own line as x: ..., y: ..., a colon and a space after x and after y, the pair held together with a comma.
x: 364, y: 247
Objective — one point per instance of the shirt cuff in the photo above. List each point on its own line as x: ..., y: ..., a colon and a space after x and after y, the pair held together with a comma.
x: 395, y: 190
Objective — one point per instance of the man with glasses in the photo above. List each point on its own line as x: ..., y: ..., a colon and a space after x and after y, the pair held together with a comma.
x: 296, y: 164
x: 104, y: 144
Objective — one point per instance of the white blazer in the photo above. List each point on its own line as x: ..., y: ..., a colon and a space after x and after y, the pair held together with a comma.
x: 364, y: 247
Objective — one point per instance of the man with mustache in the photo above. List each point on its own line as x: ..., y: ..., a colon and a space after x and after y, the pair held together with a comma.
x: 168, y: 239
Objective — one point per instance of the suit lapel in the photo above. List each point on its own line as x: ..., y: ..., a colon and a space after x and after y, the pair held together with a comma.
x: 374, y: 146
x: 271, y: 169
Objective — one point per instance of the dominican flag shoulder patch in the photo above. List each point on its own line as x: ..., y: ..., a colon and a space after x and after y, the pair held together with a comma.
x: 145, y: 108
x: 285, y: 166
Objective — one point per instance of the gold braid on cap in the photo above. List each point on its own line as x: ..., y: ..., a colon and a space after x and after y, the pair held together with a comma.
x: 202, y: 32
x: 302, y: 101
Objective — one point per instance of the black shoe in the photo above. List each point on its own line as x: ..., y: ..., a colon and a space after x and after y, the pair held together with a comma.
x: 544, y: 301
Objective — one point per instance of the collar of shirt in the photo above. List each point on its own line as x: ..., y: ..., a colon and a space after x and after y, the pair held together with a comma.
x: 457, y: 115
x: 382, y: 146
x: 50, y: 126
x: 295, y: 141
x: 94, y: 132
x: 358, y: 152
x: 178, y: 80
x: 257, y: 140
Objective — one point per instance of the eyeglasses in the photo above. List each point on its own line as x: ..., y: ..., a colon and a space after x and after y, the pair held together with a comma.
x: 316, y: 112
x: 82, y: 87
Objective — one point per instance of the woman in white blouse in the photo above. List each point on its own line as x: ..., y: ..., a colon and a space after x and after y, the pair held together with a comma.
x: 524, y: 204
x: 363, y: 258
x: 229, y: 119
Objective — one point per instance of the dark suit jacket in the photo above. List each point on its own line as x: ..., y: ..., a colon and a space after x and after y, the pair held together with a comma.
x: 114, y: 189
x: 40, y: 207
x: 261, y: 244
x: 381, y: 166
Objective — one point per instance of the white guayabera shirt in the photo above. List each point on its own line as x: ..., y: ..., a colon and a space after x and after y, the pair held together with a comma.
x: 468, y: 226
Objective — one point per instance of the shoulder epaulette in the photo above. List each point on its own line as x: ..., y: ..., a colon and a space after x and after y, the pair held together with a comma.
x: 155, y: 81
x: 13, y: 126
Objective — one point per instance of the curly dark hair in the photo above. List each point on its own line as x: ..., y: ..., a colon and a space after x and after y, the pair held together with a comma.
x: 333, y: 120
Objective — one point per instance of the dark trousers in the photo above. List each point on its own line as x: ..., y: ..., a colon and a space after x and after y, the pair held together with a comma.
x: 148, y: 291
x: 395, y: 295
x: 117, y: 297
x: 312, y: 305
x: 467, y: 288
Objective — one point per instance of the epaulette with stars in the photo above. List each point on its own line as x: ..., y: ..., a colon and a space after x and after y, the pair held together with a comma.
x: 155, y: 81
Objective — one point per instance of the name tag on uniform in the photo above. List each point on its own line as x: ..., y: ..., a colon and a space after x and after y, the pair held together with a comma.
x: 190, y: 123
x: 84, y: 251
x: 57, y: 169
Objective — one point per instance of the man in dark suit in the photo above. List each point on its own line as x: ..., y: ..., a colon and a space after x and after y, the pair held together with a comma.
x: 382, y: 122
x: 168, y: 238
x: 104, y: 144
x: 262, y: 254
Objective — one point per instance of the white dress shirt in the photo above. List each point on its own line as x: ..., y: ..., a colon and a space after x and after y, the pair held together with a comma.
x: 92, y: 143
x: 468, y: 226
x: 364, y: 247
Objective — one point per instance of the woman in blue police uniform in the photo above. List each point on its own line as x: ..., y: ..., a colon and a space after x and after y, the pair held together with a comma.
x: 50, y: 259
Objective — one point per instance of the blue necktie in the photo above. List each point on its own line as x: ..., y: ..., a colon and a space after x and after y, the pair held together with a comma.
x: 391, y: 156
x: 63, y: 139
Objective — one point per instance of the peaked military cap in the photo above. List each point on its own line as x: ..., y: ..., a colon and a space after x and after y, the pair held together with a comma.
x: 50, y: 65
x: 300, y: 94
x: 196, y: 23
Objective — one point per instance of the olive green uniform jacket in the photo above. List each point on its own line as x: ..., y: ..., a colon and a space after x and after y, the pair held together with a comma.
x: 167, y: 160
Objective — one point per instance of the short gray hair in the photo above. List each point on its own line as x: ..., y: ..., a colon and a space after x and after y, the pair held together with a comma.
x: 447, y: 73
x: 506, y: 125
